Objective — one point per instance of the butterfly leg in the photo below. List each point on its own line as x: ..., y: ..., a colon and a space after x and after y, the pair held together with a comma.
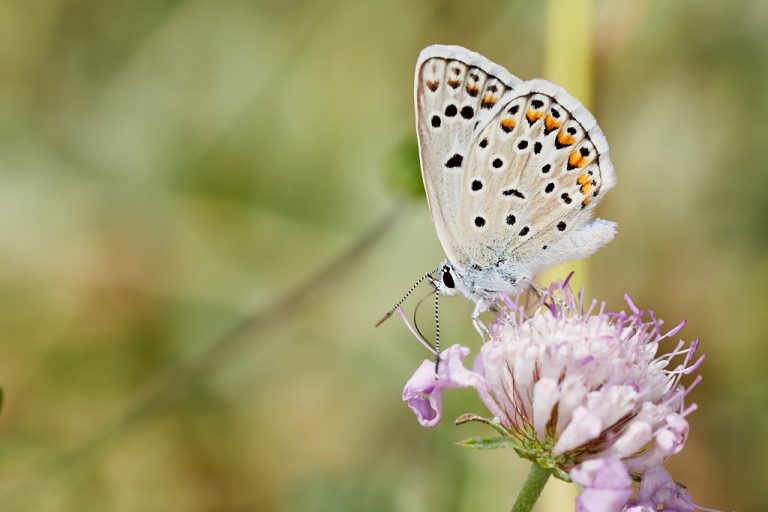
x: 481, y: 306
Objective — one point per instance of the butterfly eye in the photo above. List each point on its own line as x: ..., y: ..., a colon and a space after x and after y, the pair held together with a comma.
x: 448, y: 278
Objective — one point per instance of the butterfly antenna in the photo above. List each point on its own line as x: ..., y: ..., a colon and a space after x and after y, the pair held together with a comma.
x: 400, y: 302
x: 437, y: 332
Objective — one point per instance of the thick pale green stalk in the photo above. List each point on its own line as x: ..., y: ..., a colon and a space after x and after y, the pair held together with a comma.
x: 568, y: 62
x: 537, y: 478
x: 568, y: 46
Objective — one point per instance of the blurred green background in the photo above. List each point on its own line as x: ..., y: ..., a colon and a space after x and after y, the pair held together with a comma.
x: 170, y: 169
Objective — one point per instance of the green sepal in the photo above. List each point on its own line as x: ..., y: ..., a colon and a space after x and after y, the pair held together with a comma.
x: 561, y: 475
x: 489, y: 443
x: 466, y: 418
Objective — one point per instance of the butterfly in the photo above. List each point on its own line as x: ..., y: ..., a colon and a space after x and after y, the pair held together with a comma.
x: 513, y: 171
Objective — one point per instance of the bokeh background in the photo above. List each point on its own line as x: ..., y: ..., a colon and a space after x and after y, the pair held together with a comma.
x: 201, y: 217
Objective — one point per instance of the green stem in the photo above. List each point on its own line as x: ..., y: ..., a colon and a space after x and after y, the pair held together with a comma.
x: 537, y: 478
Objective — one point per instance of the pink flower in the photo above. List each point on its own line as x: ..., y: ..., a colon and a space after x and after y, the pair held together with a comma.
x: 424, y: 391
x: 581, y: 390
x: 574, y: 382
x: 659, y: 492
x: 607, y: 486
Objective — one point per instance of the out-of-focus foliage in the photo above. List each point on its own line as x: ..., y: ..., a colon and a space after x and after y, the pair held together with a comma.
x: 170, y: 167
x: 402, y: 170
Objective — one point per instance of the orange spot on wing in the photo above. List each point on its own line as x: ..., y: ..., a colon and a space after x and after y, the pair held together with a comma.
x: 585, y: 202
x: 586, y: 183
x: 533, y: 116
x: 472, y: 90
x: 454, y: 83
x: 550, y: 124
x: 564, y: 139
x: 507, y: 124
x: 576, y: 159
x: 488, y: 101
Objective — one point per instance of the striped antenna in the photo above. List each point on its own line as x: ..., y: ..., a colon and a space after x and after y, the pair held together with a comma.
x: 400, y: 302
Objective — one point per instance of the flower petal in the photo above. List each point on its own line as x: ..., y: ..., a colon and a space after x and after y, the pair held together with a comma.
x: 612, y: 403
x: 670, y: 439
x: 637, y: 434
x: 545, y: 396
x: 424, y: 391
x: 572, y: 392
x: 657, y: 489
x: 607, y: 485
x: 584, y: 427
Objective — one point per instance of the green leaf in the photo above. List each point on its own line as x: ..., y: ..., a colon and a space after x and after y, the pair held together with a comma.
x: 489, y: 443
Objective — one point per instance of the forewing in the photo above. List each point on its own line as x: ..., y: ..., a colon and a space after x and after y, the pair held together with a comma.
x: 457, y: 92
x: 534, y: 173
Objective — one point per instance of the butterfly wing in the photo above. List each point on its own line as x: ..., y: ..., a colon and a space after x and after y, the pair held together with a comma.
x: 457, y: 92
x: 533, y: 176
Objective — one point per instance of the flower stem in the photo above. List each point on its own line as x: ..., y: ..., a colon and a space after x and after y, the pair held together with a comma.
x: 532, y: 487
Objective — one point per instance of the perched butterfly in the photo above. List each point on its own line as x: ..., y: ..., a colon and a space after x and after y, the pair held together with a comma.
x: 513, y: 171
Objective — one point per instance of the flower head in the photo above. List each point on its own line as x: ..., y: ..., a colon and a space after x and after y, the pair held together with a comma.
x: 588, y: 393
x: 570, y: 382
x: 574, y: 382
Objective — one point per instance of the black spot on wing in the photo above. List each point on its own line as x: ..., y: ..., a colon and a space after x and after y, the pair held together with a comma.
x: 454, y: 161
x: 513, y: 192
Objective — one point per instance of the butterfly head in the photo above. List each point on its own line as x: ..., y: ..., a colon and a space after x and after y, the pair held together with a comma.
x: 447, y: 281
